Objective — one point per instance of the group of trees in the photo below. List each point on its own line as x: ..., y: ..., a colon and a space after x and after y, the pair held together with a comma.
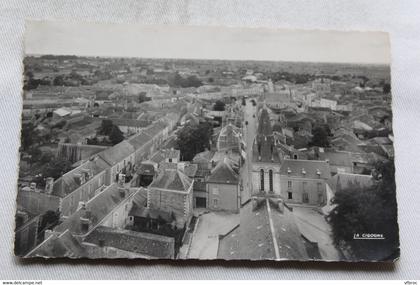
x: 29, y: 136
x: 320, y: 136
x: 219, y: 106
x: 191, y: 81
x: 193, y: 139
x: 110, y: 130
x: 297, y: 78
x: 370, y: 210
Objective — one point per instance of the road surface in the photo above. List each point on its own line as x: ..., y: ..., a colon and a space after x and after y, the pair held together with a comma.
x: 249, y: 132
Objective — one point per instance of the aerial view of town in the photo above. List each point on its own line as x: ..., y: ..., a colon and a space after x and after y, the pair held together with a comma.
x: 206, y: 159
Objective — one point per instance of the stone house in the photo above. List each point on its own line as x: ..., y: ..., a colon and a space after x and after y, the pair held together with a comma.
x: 171, y: 192
x: 304, y: 181
x: 223, y: 188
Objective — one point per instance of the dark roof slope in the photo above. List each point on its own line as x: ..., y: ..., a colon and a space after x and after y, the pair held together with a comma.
x: 264, y: 124
x: 223, y: 173
x: 345, y: 180
x: 151, y: 245
x: 336, y: 158
x: 73, y: 179
x: 117, y: 153
x: 314, y: 169
x: 172, y: 179
x: 96, y: 209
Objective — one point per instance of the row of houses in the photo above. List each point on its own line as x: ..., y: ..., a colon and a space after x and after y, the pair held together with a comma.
x: 100, y: 173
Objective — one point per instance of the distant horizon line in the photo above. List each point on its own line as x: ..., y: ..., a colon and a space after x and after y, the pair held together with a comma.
x: 211, y: 59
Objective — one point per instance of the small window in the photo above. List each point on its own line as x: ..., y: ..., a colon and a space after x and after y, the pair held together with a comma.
x: 319, y: 187
x: 215, y: 202
x: 215, y: 191
x: 289, y: 184
x: 170, y: 160
x: 289, y: 195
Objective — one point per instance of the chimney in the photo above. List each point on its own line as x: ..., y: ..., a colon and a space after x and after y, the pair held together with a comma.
x: 181, y: 166
x: 32, y: 186
x: 49, y: 183
x: 82, y: 205
x: 85, y: 224
x: 101, y: 242
x: 122, y: 192
x: 121, y: 179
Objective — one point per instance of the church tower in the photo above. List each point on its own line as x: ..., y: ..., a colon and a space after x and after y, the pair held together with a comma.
x: 265, y: 158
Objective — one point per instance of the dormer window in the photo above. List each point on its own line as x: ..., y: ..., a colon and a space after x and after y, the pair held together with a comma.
x: 303, y: 171
x: 289, y: 171
x: 318, y: 172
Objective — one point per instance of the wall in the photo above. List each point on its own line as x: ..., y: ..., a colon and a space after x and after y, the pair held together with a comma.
x: 37, y: 202
x: 118, y: 218
x: 226, y: 196
x: 76, y: 152
x: 169, y: 201
x: 85, y: 192
x: 311, y: 188
x: 256, y: 177
x: 26, y: 237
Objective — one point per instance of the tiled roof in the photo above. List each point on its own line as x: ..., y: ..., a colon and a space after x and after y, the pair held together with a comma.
x: 62, y: 245
x: 73, y: 179
x: 223, y: 173
x: 172, y: 179
x: 139, y: 140
x: 254, y: 237
x: 154, y: 246
x: 117, y: 153
x: 190, y: 169
x: 131, y: 123
x: 155, y: 128
x: 342, y: 181
x: 165, y: 154
x: 96, y: 209
x: 305, y: 168
x: 336, y: 158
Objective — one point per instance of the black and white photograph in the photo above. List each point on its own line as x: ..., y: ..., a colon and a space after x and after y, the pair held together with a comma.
x: 187, y: 142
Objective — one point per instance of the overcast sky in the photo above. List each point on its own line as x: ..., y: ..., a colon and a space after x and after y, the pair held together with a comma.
x: 124, y: 40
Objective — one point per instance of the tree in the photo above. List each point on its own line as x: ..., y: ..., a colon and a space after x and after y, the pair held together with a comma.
x: 219, y: 106
x: 35, y: 154
x: 49, y: 219
x: 190, y: 81
x: 29, y: 136
x: 193, y: 139
x: 56, y: 168
x: 106, y: 127
x: 320, y: 137
x: 143, y: 97
x: 58, y: 80
x: 386, y: 88
x: 361, y: 210
x: 116, y: 136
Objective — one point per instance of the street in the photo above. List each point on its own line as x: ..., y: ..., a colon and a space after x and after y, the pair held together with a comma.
x: 249, y: 135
